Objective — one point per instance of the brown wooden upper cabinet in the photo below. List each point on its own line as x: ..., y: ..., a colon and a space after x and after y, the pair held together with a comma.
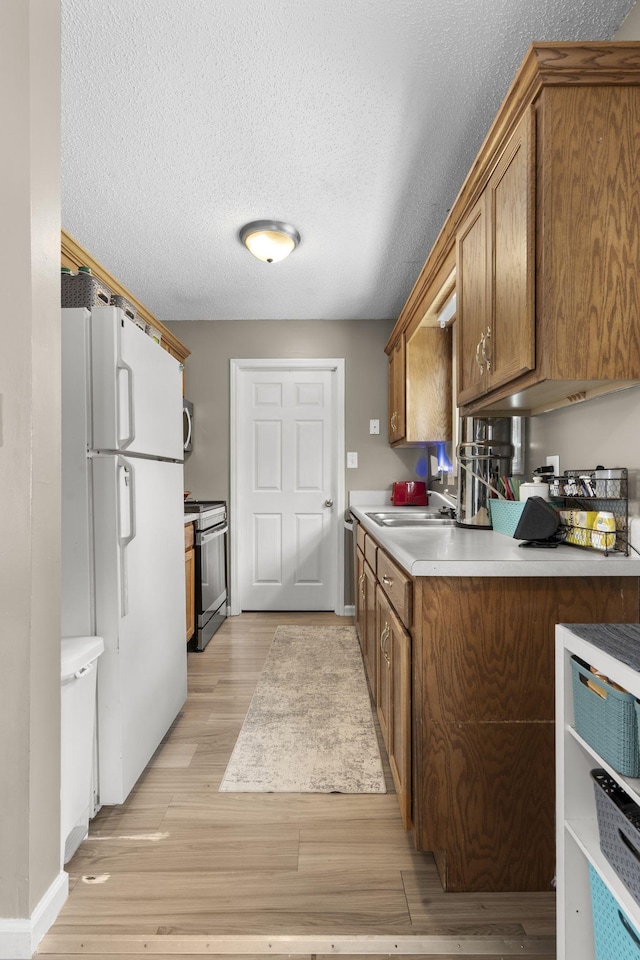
x: 495, y: 259
x: 543, y: 236
x: 397, y: 397
x: 420, y: 387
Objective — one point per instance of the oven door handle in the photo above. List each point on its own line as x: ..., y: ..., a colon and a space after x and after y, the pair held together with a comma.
x: 207, y: 537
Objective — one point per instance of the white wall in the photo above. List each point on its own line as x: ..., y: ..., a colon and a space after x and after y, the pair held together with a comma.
x: 29, y: 471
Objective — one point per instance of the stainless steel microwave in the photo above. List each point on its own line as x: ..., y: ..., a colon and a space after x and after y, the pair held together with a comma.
x: 187, y: 425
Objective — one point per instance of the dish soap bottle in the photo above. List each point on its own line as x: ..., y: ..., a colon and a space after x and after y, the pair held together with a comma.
x: 603, y: 536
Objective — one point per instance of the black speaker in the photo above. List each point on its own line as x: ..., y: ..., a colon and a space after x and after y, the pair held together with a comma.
x: 538, y: 520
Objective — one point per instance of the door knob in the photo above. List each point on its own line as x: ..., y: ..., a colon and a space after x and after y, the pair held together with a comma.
x: 328, y: 503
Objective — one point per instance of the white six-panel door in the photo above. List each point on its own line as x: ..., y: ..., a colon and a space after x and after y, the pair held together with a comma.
x: 286, y: 486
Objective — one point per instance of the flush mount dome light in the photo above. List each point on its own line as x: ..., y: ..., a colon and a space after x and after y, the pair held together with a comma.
x: 269, y: 240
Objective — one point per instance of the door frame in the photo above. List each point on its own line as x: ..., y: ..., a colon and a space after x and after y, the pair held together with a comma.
x: 335, y: 366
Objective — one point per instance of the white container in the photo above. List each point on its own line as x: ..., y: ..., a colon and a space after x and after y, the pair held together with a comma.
x: 78, y: 719
x: 536, y: 489
x: 603, y: 535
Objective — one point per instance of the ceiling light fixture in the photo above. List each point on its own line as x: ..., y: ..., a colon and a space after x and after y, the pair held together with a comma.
x: 269, y: 240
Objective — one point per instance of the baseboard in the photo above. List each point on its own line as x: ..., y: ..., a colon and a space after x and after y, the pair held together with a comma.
x: 20, y: 938
x: 349, y: 610
x: 192, y: 945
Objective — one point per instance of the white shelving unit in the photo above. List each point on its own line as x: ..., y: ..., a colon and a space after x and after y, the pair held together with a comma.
x: 578, y: 843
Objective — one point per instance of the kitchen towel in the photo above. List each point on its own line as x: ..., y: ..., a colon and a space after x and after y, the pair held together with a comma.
x: 310, y: 725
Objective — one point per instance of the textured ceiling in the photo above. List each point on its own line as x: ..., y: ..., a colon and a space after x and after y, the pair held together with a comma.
x: 355, y: 120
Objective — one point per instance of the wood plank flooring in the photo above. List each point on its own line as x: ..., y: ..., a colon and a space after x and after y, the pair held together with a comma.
x: 182, y: 870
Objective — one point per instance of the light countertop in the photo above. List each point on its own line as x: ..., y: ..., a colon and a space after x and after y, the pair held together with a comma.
x: 451, y: 551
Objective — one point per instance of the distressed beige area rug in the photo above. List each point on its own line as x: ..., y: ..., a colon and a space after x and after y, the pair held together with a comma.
x: 309, y: 728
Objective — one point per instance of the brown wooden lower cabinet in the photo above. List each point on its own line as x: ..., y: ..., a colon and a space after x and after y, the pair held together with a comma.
x: 466, y: 708
x: 190, y: 579
x: 483, y: 720
x: 394, y: 698
x: 366, y: 617
x: 371, y: 644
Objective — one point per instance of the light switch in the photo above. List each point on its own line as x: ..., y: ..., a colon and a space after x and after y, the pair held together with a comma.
x: 352, y: 460
x: 374, y: 426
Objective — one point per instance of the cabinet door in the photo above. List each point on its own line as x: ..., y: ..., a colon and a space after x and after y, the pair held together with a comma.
x: 473, y: 302
x: 400, y: 733
x: 510, y: 337
x: 495, y: 281
x: 360, y: 599
x: 190, y: 580
x: 383, y: 636
x: 370, y: 647
x: 428, y: 393
x: 397, y: 391
x: 394, y: 698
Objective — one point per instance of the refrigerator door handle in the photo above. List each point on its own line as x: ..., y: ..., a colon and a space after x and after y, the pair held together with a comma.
x: 126, y: 479
x: 124, y: 368
x: 187, y: 439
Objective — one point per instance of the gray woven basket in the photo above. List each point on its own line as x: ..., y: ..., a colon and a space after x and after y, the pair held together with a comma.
x: 125, y: 305
x: 619, y: 830
x: 84, y: 290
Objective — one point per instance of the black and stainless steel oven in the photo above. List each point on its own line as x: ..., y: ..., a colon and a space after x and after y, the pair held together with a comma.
x: 211, y: 567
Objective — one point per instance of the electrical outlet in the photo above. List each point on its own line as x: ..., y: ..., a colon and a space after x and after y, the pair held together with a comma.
x: 352, y: 460
x: 374, y: 426
x: 555, y: 463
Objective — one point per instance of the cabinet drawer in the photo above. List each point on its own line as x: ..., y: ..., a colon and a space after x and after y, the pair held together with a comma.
x: 370, y: 551
x: 397, y: 586
x: 188, y: 536
x: 360, y: 535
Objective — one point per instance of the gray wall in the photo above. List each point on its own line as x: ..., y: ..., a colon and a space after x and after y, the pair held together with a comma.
x: 602, y: 431
x: 359, y: 342
x: 30, y: 457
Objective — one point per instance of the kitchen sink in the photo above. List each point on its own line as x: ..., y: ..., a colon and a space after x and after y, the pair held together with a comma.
x: 413, y: 519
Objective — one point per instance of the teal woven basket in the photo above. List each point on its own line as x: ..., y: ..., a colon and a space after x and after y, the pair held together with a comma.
x: 608, y: 723
x: 615, y: 937
x: 505, y: 515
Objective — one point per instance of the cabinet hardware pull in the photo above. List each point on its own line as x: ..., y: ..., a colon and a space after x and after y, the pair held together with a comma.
x: 485, y: 343
x: 479, y: 350
x: 361, y: 582
x: 388, y: 582
x: 384, y: 636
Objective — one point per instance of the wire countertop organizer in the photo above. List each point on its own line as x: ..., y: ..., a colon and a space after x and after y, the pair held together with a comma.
x: 582, y: 490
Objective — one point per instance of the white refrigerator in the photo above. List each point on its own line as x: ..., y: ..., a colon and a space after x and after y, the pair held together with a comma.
x: 123, y: 532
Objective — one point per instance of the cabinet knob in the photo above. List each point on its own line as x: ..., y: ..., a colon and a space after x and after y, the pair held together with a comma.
x: 388, y: 582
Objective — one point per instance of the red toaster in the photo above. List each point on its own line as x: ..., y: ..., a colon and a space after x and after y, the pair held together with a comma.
x: 407, y: 493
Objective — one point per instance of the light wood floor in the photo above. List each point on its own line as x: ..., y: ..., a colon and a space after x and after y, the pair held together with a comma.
x: 182, y: 870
